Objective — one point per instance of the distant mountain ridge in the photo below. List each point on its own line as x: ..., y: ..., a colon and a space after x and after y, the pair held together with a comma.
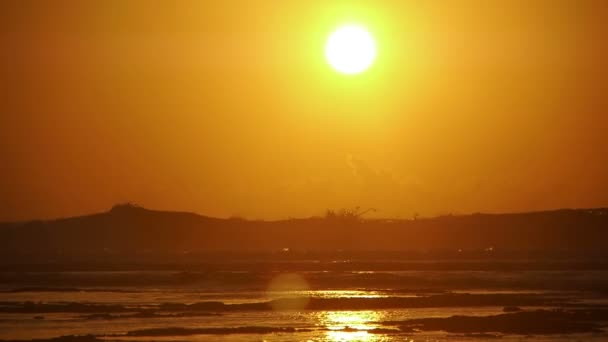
x: 132, y: 229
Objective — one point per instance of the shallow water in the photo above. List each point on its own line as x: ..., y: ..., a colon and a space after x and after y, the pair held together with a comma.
x: 322, y: 315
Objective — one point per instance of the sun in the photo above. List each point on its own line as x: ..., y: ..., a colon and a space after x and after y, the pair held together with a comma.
x: 350, y: 49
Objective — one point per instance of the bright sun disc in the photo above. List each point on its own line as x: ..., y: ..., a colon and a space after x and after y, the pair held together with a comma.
x: 350, y: 49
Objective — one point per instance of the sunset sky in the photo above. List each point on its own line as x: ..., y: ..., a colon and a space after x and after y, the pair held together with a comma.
x: 230, y: 108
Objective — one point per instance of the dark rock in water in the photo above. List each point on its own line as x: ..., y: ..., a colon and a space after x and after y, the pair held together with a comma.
x: 145, y: 314
x: 211, y: 331
x: 482, y: 335
x: 521, y: 323
x: 370, y: 331
x: 67, y: 338
x: 39, y: 308
x: 96, y: 316
x: 42, y: 289
x: 111, y: 311
x: 76, y: 338
x: 511, y: 309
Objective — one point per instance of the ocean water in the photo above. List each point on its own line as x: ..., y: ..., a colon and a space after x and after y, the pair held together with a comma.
x: 304, y: 305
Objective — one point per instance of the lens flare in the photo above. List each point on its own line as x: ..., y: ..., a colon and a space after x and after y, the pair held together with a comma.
x: 288, y: 291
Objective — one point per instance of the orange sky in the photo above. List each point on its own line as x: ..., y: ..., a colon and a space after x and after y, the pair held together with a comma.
x: 230, y: 109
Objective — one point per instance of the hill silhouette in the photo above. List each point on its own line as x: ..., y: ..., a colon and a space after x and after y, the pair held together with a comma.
x: 129, y: 229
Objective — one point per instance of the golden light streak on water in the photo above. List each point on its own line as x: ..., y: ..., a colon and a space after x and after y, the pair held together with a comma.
x: 351, y: 326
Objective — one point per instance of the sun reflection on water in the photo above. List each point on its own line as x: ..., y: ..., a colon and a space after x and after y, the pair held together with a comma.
x: 346, y: 294
x: 326, y: 293
x: 362, y: 320
x: 347, y: 326
x: 352, y: 336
